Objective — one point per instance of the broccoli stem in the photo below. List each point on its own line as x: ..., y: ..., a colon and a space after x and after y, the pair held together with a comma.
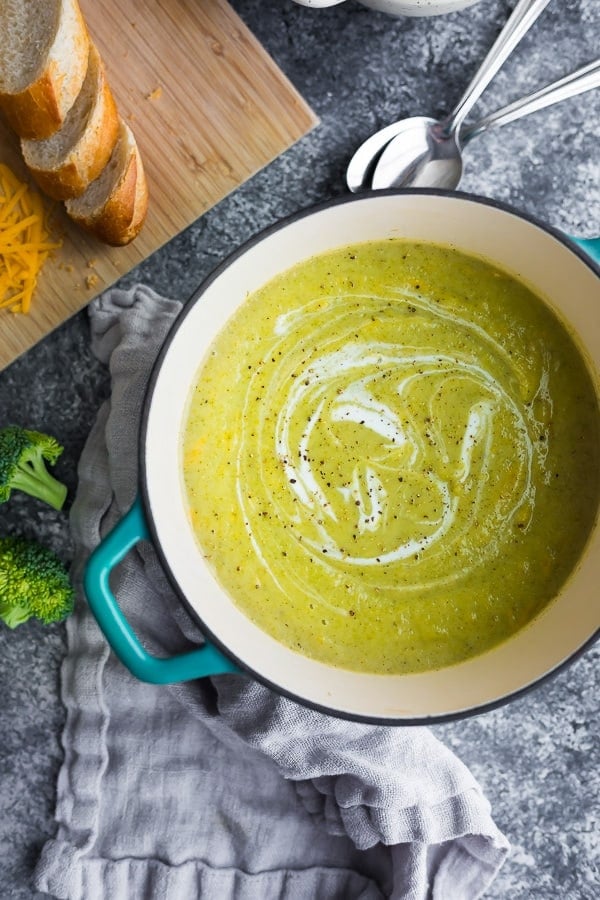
x: 34, y: 478
x: 13, y: 615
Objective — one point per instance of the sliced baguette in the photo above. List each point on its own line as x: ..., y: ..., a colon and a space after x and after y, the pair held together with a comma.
x: 43, y: 61
x: 64, y: 164
x: 113, y: 207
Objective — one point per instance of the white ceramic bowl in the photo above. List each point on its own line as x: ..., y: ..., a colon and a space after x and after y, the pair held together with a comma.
x: 401, y: 7
x: 552, y: 264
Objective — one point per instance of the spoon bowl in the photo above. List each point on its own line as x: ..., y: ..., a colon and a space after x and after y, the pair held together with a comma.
x: 424, y: 156
x: 428, y: 158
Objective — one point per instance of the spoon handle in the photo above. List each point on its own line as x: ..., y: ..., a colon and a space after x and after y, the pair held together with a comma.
x: 524, y: 15
x: 578, y: 82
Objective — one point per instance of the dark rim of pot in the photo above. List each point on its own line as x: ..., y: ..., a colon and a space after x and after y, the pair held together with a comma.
x: 180, y: 321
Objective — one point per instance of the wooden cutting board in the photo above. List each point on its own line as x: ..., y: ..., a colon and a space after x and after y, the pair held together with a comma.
x: 209, y: 108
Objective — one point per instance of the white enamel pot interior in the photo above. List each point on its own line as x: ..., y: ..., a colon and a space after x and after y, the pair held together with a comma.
x: 546, y: 261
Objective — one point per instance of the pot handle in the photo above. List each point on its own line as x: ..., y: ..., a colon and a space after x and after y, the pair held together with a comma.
x: 199, y: 663
x: 590, y: 246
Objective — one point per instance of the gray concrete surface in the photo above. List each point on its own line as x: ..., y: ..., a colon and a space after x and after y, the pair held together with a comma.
x: 537, y: 758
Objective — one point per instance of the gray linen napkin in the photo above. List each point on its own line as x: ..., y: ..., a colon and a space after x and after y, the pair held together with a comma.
x: 220, y: 788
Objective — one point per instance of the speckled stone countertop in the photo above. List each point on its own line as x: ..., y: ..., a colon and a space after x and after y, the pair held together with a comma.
x: 536, y: 758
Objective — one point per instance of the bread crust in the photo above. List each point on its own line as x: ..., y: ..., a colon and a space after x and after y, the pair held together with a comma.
x: 94, y: 166
x: 120, y: 217
x: 39, y: 109
x: 86, y: 159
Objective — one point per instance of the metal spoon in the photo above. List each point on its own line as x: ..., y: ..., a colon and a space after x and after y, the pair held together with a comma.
x: 578, y: 82
x: 584, y: 79
x: 423, y: 144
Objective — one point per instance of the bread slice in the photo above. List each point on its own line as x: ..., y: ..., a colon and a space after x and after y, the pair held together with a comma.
x: 113, y: 207
x: 43, y: 61
x: 64, y: 164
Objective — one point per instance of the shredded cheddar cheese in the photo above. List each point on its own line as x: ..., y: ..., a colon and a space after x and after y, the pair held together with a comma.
x: 24, y: 241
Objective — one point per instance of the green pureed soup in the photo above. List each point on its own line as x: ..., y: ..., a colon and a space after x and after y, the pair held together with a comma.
x: 391, y: 456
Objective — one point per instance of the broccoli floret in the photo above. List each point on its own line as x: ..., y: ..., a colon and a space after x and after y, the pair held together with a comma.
x: 33, y: 582
x: 22, y: 467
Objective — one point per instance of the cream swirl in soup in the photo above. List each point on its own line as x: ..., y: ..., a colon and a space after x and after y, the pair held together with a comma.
x: 391, y: 456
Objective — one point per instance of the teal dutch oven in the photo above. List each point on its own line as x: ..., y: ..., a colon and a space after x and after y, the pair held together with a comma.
x: 565, y: 271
